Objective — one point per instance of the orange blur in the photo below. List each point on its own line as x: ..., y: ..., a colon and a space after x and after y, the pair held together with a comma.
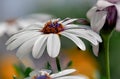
x: 6, y: 66
x: 83, y: 62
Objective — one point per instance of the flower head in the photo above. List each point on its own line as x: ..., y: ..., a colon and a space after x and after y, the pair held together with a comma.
x: 45, y: 74
x: 105, y: 15
x: 37, y: 36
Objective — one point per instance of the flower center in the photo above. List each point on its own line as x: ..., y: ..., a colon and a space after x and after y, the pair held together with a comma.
x: 11, y: 21
x: 52, y: 27
x: 41, y: 77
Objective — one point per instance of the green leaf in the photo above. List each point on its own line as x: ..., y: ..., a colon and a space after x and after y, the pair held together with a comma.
x: 27, y: 71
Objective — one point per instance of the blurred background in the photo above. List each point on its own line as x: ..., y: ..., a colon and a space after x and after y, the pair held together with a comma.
x: 88, y: 63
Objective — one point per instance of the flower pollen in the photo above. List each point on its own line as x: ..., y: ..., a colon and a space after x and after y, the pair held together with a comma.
x: 52, y: 27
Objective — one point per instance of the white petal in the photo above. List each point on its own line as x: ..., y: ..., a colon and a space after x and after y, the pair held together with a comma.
x: 53, y: 45
x: 62, y: 73
x: 25, y: 48
x: 39, y: 46
x: 72, y: 77
x: 95, y: 50
x: 98, y: 20
x: 83, y: 34
x: 74, y: 26
x: 28, y: 78
x: 35, y: 26
x: 118, y: 9
x: 69, y: 21
x: 118, y: 25
x: 75, y: 39
x: 22, y: 39
x: 33, y: 73
x: 91, y: 12
x: 64, y: 20
x: 12, y: 30
x: 95, y: 35
x: 3, y: 29
x: 103, y: 4
x: 15, y: 36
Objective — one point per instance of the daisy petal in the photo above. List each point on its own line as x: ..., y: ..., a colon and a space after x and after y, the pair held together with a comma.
x: 75, y: 39
x: 3, y: 29
x: 16, y: 36
x: 25, y: 48
x: 53, y: 45
x: 33, y: 73
x: 101, y: 4
x: 39, y: 46
x: 35, y: 26
x: 98, y: 20
x: 74, y: 26
x: 64, y: 20
x: 62, y: 73
x: 91, y: 12
x: 73, y: 77
x: 21, y: 40
x: 118, y: 9
x: 118, y: 25
x: 83, y: 34
x: 28, y: 78
x: 69, y: 21
x: 95, y: 35
x: 95, y: 49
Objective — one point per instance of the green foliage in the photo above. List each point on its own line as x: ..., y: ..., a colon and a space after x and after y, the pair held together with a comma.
x: 27, y: 71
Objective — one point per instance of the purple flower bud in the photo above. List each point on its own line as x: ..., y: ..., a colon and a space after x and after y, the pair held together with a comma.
x: 111, y: 19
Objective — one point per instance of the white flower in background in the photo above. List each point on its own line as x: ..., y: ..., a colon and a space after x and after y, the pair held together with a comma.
x: 36, y: 37
x: 9, y: 27
x: 45, y: 74
x: 105, y: 14
x: 14, y: 25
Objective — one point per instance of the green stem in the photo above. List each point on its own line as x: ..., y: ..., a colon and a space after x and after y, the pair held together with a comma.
x: 108, y: 59
x: 106, y: 39
x: 58, y: 64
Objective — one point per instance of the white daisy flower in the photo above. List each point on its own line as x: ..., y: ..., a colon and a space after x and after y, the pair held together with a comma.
x: 36, y: 37
x: 45, y: 74
x: 9, y: 27
x: 105, y: 14
x: 14, y: 25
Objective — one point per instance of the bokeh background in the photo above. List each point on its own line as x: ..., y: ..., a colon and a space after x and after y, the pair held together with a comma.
x: 88, y: 63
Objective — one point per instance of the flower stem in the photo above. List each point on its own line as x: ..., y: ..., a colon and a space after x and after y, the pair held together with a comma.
x: 58, y: 64
x: 106, y: 39
x: 108, y: 59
